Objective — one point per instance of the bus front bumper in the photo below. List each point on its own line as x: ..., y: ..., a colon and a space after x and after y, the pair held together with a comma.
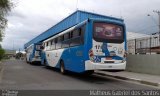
x: 106, y: 66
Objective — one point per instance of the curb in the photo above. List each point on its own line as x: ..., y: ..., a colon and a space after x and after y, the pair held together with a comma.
x: 131, y: 79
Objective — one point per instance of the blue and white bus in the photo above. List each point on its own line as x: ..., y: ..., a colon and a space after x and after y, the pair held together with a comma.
x: 33, y: 53
x: 94, y: 44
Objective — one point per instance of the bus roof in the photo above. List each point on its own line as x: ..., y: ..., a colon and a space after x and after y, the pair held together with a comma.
x: 73, y: 19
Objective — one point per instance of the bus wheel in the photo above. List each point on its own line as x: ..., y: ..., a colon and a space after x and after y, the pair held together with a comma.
x: 26, y: 61
x: 31, y: 62
x: 62, y: 68
x: 45, y: 64
x: 89, y: 72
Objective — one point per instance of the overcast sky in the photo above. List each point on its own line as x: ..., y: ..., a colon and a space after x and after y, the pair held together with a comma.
x: 29, y: 18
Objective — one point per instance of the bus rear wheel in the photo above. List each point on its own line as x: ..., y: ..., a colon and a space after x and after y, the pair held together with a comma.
x: 62, y: 67
x: 89, y: 72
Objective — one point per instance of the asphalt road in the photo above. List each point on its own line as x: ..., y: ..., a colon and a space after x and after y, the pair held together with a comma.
x: 18, y: 75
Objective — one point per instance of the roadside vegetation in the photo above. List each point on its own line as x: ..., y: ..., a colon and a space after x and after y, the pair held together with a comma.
x: 2, y: 52
x: 5, y: 8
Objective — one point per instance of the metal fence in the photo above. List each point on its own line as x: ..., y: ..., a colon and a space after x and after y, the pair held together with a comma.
x: 145, y: 45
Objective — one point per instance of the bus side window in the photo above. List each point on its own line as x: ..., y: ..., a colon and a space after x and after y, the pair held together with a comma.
x: 82, y: 32
x: 49, y: 43
x: 75, y: 41
x: 66, y: 36
x: 55, y: 41
x: 53, y: 44
x: 46, y: 44
x: 77, y: 37
x: 66, y: 41
x: 48, y: 47
x: 75, y: 33
x: 71, y: 34
x: 62, y: 38
x: 59, y: 42
x: 43, y: 44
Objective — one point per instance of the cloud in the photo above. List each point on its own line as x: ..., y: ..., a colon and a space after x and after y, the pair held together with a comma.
x: 30, y: 18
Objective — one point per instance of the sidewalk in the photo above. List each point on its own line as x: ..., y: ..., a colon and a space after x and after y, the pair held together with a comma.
x: 153, y: 80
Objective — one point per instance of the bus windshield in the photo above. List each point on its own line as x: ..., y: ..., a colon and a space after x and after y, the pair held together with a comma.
x: 110, y: 33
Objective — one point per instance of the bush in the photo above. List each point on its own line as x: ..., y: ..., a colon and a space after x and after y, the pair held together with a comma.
x: 2, y: 52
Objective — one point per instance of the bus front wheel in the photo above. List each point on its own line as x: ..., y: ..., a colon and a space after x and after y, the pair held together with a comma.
x: 62, y: 67
x: 45, y: 64
x: 26, y: 61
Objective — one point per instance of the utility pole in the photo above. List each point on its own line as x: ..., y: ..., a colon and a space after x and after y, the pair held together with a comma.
x: 158, y: 12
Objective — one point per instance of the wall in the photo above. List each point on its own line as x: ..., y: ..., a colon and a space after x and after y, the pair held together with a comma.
x: 149, y: 64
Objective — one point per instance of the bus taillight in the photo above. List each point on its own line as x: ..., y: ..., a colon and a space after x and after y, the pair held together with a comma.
x: 91, y: 55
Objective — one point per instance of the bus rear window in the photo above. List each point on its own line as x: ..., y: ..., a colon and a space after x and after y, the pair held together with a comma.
x: 111, y: 33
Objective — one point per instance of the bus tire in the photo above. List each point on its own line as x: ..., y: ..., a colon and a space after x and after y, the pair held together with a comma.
x: 45, y: 64
x: 31, y: 62
x: 26, y: 60
x: 62, y: 67
x: 89, y: 72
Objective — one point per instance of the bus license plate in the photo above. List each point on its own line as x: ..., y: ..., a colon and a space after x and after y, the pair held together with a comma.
x: 108, y: 61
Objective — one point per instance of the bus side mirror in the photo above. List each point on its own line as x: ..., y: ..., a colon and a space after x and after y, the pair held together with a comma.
x: 42, y: 47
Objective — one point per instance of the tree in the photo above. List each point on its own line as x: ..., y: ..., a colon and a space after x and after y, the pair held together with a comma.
x: 2, y: 52
x: 5, y: 7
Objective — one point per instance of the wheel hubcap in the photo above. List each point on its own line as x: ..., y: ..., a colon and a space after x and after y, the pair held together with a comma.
x: 62, y: 70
